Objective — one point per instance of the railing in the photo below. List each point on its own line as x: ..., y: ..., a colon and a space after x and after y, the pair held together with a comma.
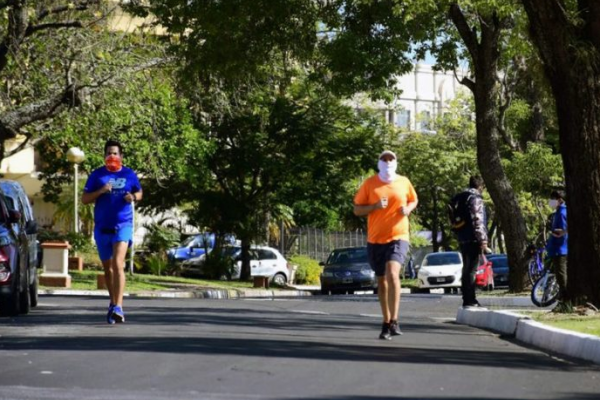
x: 317, y: 243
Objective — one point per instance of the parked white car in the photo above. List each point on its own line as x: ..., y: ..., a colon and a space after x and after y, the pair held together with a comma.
x: 441, y: 270
x: 264, y: 261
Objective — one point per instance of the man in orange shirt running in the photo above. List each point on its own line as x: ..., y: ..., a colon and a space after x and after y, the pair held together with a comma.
x: 387, y: 199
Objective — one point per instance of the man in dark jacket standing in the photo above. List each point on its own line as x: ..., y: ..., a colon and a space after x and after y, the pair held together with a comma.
x: 473, y: 239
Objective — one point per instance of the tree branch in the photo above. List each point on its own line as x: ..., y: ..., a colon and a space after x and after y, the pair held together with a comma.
x: 79, y: 6
x: 468, y: 35
x: 508, y: 90
x: 31, y: 29
x: 12, y: 121
x: 469, y: 83
x: 18, y: 148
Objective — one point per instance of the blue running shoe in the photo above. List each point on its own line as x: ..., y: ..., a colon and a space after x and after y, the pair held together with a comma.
x: 118, y: 315
x: 109, y: 317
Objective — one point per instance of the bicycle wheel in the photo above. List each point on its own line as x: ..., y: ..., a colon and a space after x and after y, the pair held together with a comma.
x: 534, y: 271
x: 545, y: 291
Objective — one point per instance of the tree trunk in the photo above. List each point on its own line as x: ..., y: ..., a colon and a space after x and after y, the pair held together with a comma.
x: 435, y: 225
x: 245, y: 272
x: 484, y: 51
x: 571, y: 55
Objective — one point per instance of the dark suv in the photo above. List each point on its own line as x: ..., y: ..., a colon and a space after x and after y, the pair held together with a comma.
x: 18, y: 251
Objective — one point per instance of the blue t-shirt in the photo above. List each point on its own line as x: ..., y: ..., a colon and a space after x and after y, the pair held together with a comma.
x: 111, y: 209
x: 557, y: 246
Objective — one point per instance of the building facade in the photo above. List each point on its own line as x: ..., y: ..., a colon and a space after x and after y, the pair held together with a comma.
x: 425, y: 96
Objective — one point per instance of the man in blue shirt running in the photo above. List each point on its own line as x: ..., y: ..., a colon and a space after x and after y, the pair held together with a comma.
x: 113, y: 188
x: 556, y: 245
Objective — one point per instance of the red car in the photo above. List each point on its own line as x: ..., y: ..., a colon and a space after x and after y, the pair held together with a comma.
x: 485, y: 275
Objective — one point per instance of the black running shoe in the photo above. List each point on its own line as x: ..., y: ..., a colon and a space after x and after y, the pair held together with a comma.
x: 395, y: 329
x: 385, y: 332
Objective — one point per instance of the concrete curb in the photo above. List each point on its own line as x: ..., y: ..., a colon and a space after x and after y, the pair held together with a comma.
x: 187, y: 294
x: 524, y: 329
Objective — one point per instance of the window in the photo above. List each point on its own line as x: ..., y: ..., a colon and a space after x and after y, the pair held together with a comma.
x: 403, y: 119
x: 425, y: 120
x: 442, y: 259
x: 266, y: 255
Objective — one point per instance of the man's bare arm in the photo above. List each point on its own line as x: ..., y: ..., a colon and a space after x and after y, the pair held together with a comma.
x: 91, y: 197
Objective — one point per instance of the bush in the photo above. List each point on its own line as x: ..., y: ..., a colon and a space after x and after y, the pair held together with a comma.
x: 79, y: 242
x: 308, y: 270
x: 157, y: 264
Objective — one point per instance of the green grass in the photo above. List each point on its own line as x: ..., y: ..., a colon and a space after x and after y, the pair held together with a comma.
x: 86, y: 280
x: 573, y: 322
x: 410, y: 283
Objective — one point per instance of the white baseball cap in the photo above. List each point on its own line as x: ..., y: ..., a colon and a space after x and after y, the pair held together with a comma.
x: 388, y: 153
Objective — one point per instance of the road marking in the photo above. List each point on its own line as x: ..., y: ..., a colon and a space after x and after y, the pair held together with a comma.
x: 309, y: 312
x: 46, y: 372
x: 371, y: 315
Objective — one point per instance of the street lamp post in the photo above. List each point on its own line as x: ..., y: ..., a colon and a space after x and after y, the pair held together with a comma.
x: 76, y: 156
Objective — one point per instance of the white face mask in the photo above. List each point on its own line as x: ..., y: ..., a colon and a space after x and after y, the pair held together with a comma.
x: 553, y: 203
x: 387, y: 170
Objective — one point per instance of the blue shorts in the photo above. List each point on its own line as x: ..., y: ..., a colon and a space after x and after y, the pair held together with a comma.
x: 105, y: 239
x: 380, y: 254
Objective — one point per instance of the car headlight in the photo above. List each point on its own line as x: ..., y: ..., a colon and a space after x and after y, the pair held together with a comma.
x: 367, y: 272
x: 326, y: 274
x: 423, y: 272
x: 4, y: 273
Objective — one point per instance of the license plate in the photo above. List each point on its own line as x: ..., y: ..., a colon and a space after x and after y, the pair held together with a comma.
x: 346, y: 280
x: 440, y: 279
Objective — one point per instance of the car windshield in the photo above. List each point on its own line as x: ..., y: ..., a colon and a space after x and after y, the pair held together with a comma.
x: 187, y: 241
x: 442, y: 259
x: 348, y: 256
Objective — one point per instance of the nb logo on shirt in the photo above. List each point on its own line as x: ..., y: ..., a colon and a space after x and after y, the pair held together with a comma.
x: 118, y: 183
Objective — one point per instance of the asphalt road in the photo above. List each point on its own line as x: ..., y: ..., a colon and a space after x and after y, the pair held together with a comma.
x: 305, y: 348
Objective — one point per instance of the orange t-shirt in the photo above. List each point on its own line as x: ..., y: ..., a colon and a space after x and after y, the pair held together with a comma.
x: 386, y: 224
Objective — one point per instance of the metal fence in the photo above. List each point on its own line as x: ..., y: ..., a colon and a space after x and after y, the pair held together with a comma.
x: 317, y: 243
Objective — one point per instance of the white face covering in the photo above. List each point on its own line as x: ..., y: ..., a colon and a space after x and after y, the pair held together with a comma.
x: 553, y: 203
x: 387, y: 170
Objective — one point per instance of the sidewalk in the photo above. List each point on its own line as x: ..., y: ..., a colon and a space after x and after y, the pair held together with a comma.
x: 524, y: 329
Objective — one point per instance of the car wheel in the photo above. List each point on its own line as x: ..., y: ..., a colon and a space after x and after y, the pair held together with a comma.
x: 376, y: 291
x: 24, y: 300
x: 447, y: 290
x: 350, y: 291
x: 9, y: 306
x: 279, y: 279
x: 324, y: 291
x: 33, y: 290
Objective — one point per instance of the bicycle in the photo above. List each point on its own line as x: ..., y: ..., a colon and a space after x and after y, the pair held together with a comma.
x: 545, y: 290
x: 537, y: 263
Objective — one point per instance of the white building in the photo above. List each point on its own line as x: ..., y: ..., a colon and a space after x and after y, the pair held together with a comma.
x: 425, y: 96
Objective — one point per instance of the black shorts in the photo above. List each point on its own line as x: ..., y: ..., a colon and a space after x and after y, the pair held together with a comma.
x: 380, y: 254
